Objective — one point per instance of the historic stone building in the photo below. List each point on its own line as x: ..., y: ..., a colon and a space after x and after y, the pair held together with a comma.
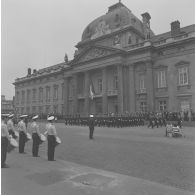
x: 119, y: 66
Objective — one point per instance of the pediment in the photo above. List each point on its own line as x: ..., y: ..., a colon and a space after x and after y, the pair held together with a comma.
x: 182, y: 62
x: 161, y: 66
x: 95, y: 52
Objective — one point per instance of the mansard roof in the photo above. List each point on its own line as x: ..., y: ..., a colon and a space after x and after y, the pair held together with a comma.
x: 43, y: 72
x: 184, y: 30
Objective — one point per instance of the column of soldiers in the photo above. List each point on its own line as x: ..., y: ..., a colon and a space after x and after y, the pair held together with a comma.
x: 107, y: 121
x: 10, y: 132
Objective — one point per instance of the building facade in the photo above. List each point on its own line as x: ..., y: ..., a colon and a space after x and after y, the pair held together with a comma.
x: 6, y: 105
x: 120, y: 66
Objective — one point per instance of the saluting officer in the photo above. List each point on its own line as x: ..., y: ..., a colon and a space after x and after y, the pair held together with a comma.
x: 10, y: 126
x: 51, y: 137
x: 22, y: 133
x: 4, y: 140
x: 35, y: 136
x: 91, y: 124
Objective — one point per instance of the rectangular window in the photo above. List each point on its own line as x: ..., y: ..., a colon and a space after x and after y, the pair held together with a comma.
x: 183, y: 76
x: 115, y: 82
x: 55, y: 109
x: 62, y: 90
x: 34, y: 109
x: 55, y: 94
x: 47, y: 109
x: 34, y: 95
x: 143, y: 106
x: 99, y: 85
x: 28, y: 96
x: 40, y: 109
x: 17, y: 97
x: 98, y: 106
x: 41, y: 94
x: 23, y: 97
x: 28, y: 110
x: 142, y: 83
x: 185, y: 105
x: 162, y: 105
x: 161, y: 79
x: 62, y: 111
x: 47, y: 94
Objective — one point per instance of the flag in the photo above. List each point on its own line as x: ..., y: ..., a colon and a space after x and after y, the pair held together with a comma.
x: 91, y: 90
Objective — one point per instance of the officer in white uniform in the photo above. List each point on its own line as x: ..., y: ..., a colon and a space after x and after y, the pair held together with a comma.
x: 51, y: 137
x: 34, y: 128
x: 10, y: 126
x: 5, y: 138
x: 22, y: 134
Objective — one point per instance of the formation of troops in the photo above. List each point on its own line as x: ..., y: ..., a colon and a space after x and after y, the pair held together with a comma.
x: 117, y: 122
x: 12, y: 129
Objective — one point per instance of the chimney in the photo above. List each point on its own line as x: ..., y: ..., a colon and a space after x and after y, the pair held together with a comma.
x: 175, y: 28
x: 29, y: 71
x: 34, y: 71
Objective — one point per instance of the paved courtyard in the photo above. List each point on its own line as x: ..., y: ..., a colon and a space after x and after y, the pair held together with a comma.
x: 140, y: 152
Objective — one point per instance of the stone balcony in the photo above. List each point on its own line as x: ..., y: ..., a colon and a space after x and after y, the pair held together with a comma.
x: 141, y: 91
x: 113, y: 92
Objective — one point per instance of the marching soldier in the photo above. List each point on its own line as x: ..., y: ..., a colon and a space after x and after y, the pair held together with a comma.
x: 4, y: 141
x: 91, y: 124
x: 22, y: 133
x: 10, y: 126
x: 51, y: 137
x: 35, y: 136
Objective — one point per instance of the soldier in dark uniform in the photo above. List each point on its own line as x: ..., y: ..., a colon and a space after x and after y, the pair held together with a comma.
x: 91, y: 124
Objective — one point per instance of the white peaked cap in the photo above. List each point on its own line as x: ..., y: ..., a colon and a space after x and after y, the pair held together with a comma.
x: 11, y: 115
x: 50, y: 118
x: 91, y: 115
x: 22, y: 116
x: 35, y: 117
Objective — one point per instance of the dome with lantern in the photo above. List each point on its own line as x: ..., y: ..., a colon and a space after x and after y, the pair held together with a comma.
x: 118, y: 17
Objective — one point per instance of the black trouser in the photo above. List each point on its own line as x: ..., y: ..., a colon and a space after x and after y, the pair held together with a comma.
x: 51, y: 147
x: 35, y: 146
x: 22, y: 140
x: 91, y: 130
x: 4, y: 145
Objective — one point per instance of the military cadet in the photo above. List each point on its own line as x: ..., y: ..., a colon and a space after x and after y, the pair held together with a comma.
x: 91, y: 124
x: 51, y: 137
x: 22, y: 133
x: 10, y: 126
x: 35, y: 136
x: 5, y: 138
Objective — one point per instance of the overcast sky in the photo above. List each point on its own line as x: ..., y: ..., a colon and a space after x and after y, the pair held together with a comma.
x: 38, y: 33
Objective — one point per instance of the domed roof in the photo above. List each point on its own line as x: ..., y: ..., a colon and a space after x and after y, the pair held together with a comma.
x: 118, y: 17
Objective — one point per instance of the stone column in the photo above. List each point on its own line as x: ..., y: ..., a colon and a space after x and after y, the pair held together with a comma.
x: 120, y: 88
x: 65, y: 95
x: 132, y: 102
x: 86, y: 93
x: 150, y: 86
x: 104, y: 91
x: 75, y: 96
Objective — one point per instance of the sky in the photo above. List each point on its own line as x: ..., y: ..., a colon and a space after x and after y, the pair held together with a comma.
x: 37, y: 33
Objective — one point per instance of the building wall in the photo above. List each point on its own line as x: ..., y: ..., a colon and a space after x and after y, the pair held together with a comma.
x: 173, y: 59
x: 30, y: 105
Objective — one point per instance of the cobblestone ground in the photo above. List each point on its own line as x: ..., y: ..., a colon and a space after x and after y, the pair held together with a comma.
x: 137, y: 151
